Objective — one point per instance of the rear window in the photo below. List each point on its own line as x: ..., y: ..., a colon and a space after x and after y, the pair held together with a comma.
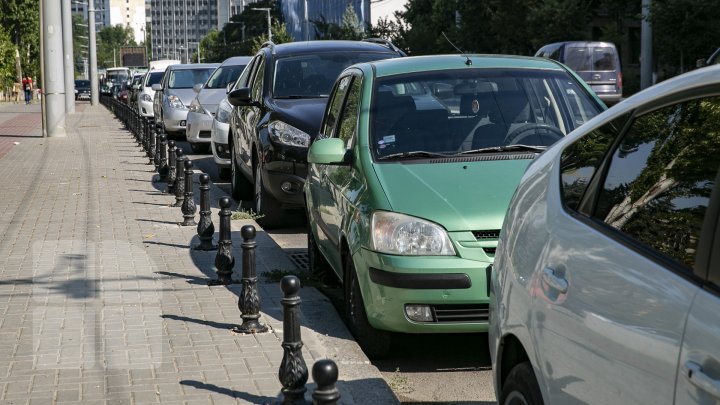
x: 187, y: 78
x: 585, y: 59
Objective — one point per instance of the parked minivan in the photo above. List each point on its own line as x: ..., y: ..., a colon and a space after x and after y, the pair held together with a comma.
x: 597, y: 63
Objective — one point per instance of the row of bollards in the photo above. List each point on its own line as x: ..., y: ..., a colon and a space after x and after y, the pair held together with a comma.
x: 176, y: 170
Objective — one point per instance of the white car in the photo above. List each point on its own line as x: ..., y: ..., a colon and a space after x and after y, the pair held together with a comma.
x: 209, y: 95
x: 146, y: 93
x: 606, y: 281
x: 219, y: 138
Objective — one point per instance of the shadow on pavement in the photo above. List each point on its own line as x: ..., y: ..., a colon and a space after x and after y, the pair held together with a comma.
x: 219, y: 325
x: 254, y: 399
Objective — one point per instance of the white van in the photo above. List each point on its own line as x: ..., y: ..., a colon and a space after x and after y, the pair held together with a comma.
x: 162, y: 64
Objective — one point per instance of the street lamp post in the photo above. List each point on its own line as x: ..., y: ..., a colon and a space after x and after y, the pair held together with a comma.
x: 267, y: 10
x: 92, y: 52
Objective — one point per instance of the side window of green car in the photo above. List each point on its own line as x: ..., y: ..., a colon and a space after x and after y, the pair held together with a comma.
x: 350, y: 114
x: 337, y: 97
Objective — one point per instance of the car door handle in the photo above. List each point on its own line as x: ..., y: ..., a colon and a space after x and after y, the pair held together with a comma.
x: 555, y: 282
x: 694, y: 373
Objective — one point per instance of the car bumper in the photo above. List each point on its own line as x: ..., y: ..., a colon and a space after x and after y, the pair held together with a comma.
x: 285, y: 181
x: 451, y: 286
x: 198, y: 127
x: 146, y: 108
x: 219, y: 140
x: 175, y: 120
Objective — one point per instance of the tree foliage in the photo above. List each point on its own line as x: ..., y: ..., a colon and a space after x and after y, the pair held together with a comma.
x: 109, y: 41
x: 280, y: 36
x: 7, y: 60
x: 21, y: 21
x: 350, y: 29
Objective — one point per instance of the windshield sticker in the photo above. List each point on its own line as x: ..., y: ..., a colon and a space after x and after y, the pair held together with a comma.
x: 388, y: 139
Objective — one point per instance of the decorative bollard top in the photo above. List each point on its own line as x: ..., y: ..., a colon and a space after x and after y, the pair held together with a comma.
x: 290, y: 285
x: 171, y: 144
x: 247, y: 232
x: 188, y: 164
x: 224, y: 203
x: 325, y: 373
x: 179, y: 153
x: 204, y: 179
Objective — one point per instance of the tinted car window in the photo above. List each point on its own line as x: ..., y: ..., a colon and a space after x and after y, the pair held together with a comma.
x: 578, y: 59
x: 82, y: 83
x: 154, y: 78
x: 580, y: 160
x: 660, y: 178
x: 314, y: 75
x: 334, y: 106
x: 462, y: 111
x: 603, y: 58
x: 223, y: 76
x: 187, y: 78
x: 348, y: 122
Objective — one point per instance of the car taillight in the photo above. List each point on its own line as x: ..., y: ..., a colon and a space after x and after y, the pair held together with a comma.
x: 619, y: 82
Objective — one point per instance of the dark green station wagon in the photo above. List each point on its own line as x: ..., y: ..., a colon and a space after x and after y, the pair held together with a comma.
x: 412, y: 173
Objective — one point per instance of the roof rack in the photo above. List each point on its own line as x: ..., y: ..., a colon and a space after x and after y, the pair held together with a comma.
x: 383, y: 41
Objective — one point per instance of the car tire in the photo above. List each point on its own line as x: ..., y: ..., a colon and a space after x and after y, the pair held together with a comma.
x: 375, y: 343
x: 240, y: 187
x: 199, y: 147
x: 225, y: 173
x: 521, y: 387
x: 319, y: 266
x: 271, y: 213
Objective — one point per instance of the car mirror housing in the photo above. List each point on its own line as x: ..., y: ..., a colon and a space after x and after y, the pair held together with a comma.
x: 197, y: 87
x: 240, y: 97
x: 157, y: 87
x: 329, y: 151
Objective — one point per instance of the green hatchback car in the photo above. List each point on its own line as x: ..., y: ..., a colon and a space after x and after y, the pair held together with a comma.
x: 411, y: 175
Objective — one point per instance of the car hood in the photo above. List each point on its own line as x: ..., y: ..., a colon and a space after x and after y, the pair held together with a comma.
x: 185, y: 95
x: 461, y: 196
x: 210, y: 98
x: 304, y: 114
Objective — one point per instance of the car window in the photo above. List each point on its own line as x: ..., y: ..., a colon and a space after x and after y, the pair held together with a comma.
x: 580, y: 160
x: 242, y: 81
x: 463, y: 111
x: 313, y: 75
x: 660, y: 178
x: 187, y: 78
x: 333, y: 110
x: 223, y: 76
x: 258, y: 80
x: 154, y: 78
x: 349, y: 118
x: 578, y: 59
x: 603, y: 58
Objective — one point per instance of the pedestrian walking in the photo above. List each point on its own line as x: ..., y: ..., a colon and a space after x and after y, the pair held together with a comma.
x: 17, y: 89
x: 28, y: 88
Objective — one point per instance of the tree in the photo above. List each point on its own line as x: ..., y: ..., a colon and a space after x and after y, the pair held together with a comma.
x: 7, y: 60
x: 109, y: 41
x: 280, y: 36
x: 21, y: 20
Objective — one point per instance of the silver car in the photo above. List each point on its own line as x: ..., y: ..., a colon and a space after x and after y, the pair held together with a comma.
x: 606, y: 281
x: 203, y: 106
x: 175, y: 92
x: 146, y: 93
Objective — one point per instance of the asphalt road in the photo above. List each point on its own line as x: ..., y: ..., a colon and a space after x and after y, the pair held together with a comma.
x: 450, y: 368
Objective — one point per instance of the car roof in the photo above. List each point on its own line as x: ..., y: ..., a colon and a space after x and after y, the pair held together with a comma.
x: 186, y: 66
x: 237, y: 60
x: 303, y: 47
x: 412, y: 64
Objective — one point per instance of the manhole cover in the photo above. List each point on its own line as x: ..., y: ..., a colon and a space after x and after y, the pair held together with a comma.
x: 300, y: 259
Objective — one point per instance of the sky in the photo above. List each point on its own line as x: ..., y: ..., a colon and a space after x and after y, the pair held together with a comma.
x: 385, y: 8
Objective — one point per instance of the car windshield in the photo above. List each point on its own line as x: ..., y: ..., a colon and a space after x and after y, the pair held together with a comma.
x: 154, y: 78
x: 82, y: 83
x: 310, y: 76
x: 117, y: 77
x: 187, y: 78
x: 474, y: 111
x: 223, y: 76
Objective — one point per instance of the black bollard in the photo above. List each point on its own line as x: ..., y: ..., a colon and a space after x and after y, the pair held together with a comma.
x: 171, y: 168
x: 188, y: 205
x: 141, y: 131
x: 151, y: 147
x: 156, y: 157
x: 293, y: 373
x: 179, y: 178
x: 224, y: 259
x: 163, y: 169
x: 249, y: 300
x: 205, y: 228
x: 325, y: 374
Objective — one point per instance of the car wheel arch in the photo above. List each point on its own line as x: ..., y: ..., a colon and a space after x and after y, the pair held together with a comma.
x: 511, y: 352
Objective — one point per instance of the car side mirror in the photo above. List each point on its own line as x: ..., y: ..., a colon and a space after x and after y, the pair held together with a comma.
x: 328, y: 151
x: 240, y: 97
x: 197, y: 87
x: 157, y: 87
x: 700, y: 62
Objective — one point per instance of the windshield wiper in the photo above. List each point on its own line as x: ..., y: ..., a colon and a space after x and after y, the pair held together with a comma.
x: 415, y: 153
x: 505, y: 148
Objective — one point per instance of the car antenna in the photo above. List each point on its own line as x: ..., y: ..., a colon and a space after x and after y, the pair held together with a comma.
x: 468, y: 61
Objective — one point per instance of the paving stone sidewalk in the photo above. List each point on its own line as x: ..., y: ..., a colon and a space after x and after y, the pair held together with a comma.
x: 102, y: 301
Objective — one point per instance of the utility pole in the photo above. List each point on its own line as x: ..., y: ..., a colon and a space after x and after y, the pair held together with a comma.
x: 68, y: 58
x: 646, y: 57
x: 185, y: 2
x: 53, y: 83
x: 307, y: 21
x: 94, y: 94
x: 267, y: 10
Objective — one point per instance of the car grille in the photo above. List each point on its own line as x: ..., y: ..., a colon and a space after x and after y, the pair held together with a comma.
x: 487, y: 234
x: 461, y: 313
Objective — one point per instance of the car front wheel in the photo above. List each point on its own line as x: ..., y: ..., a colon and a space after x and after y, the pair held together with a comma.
x: 521, y: 387
x: 374, y: 342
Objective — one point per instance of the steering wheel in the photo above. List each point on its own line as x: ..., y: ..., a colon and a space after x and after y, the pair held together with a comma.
x: 522, y: 132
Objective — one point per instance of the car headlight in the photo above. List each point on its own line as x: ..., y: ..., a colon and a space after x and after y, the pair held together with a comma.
x: 400, y: 234
x: 288, y: 135
x: 175, y: 102
x: 146, y: 97
x: 223, y: 112
x: 196, y: 107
